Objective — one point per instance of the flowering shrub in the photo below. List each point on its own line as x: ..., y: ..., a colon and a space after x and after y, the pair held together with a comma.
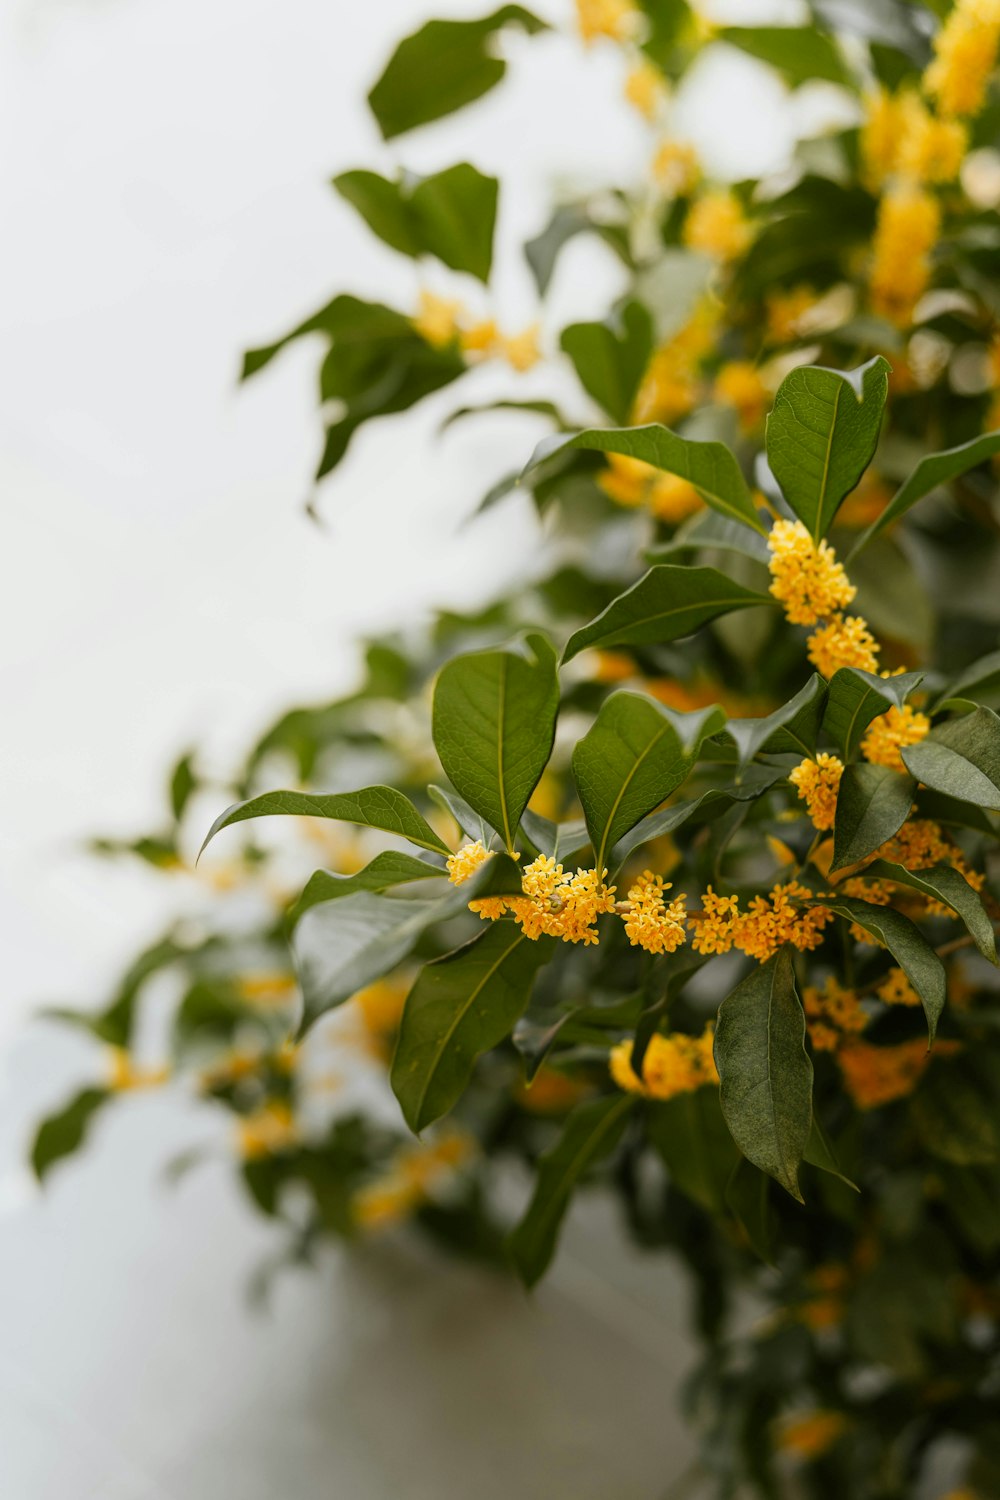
x: 676, y: 868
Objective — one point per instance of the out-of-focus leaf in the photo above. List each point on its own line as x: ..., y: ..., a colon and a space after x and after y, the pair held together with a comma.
x: 372, y: 807
x: 799, y: 53
x: 450, y: 215
x: 388, y: 869
x: 63, y: 1133
x: 691, y: 1134
x: 611, y: 357
x: 933, y: 470
x: 569, y: 220
x: 666, y: 604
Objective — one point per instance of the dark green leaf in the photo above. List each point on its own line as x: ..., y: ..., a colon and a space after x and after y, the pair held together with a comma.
x: 450, y: 215
x: 748, y: 1196
x: 461, y: 1006
x: 932, y: 470
x: 818, y: 1153
x: 442, y: 67
x: 766, y: 1074
x: 494, y: 725
x: 794, y: 726
x: 945, y: 883
x: 666, y: 604
x: 569, y: 220
x: 63, y: 1133
x: 856, y: 697
x: 183, y: 782
x: 468, y: 820
x: 691, y: 1134
x: 756, y: 780
x: 386, y: 870
x: 908, y: 946
x: 373, y: 807
x: 591, y: 1133
x: 961, y: 758
x: 821, y: 436
x: 954, y: 1110
x: 978, y: 680
x: 630, y: 760
x: 873, y: 803
x: 610, y: 358
x: 710, y: 467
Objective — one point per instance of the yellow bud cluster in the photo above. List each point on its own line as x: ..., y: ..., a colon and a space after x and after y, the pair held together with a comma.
x: 675, y: 1064
x: 767, y: 924
x: 651, y: 922
x: 878, y: 1075
x: 890, y: 733
x: 807, y: 578
x: 965, y: 54
x: 788, y: 314
x: 817, y: 783
x: 907, y: 229
x: 464, y: 863
x: 845, y: 641
x: 125, y: 1075
x: 901, y: 136
x: 896, y: 989
x: 416, y: 1173
x: 670, y: 384
x: 831, y: 1014
x: 441, y: 322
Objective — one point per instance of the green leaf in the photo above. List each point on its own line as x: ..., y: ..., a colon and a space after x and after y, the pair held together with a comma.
x: 461, y: 1006
x: 557, y: 840
x: 442, y: 67
x: 873, y: 803
x: 450, y: 215
x: 183, y: 783
x: 373, y: 807
x: 818, y: 1153
x: 954, y: 1111
x: 468, y: 820
x: 387, y: 869
x: 855, y: 698
x: 934, y: 469
x: 961, y: 758
x: 494, y: 726
x: 908, y: 946
x: 691, y: 1134
x: 766, y: 1074
x: 63, y: 1133
x: 569, y: 220
x: 799, y: 53
x: 945, y: 883
x: 341, y: 946
x: 978, y: 680
x: 629, y: 761
x: 748, y: 1197
x: 756, y: 780
x: 794, y: 726
x: 590, y: 1134
x: 666, y: 604
x: 710, y: 467
x: 821, y: 436
x: 610, y: 357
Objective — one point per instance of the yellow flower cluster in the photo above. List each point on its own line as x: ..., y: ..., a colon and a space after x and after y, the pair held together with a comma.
x: 845, y: 641
x: 896, y: 989
x: 831, y: 1014
x: 767, y: 924
x: 890, y: 733
x: 676, y: 168
x: 442, y: 322
x: 878, y: 1075
x: 902, y: 136
x: 464, y: 863
x: 562, y: 905
x: 615, y: 19
x: 415, y: 1174
x: 739, y: 384
x: 675, y: 1064
x: 817, y: 783
x: 270, y: 1130
x: 907, y: 229
x: 630, y: 482
x: 717, y: 226
x: 807, y: 578
x: 965, y: 54
x: 651, y: 922
x: 812, y: 1435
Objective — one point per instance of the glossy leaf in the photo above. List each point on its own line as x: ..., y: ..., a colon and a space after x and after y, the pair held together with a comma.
x: 494, y: 725
x: 63, y: 1133
x: 873, y: 803
x: 855, y: 698
x: 461, y: 1006
x: 630, y: 760
x: 794, y: 726
x: 388, y: 869
x: 590, y: 1134
x: 945, y: 883
x: 755, y: 781
x: 822, y: 434
x: 610, y: 357
x: 766, y: 1074
x: 666, y: 604
x: 691, y: 1134
x: 961, y: 758
x: 933, y: 470
x: 908, y: 946
x: 710, y: 467
x: 450, y: 215
x: 372, y: 807
x: 442, y: 67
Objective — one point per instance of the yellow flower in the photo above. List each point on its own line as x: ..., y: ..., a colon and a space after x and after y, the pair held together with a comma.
x: 908, y: 226
x: 929, y: 149
x: 739, y: 384
x: 645, y: 88
x: 845, y: 641
x: 767, y: 924
x: 965, y: 54
x: 807, y: 579
x: 673, y: 499
x: 831, y: 1013
x: 270, y: 1130
x: 554, y: 903
x: 437, y: 320
x: 896, y: 989
x: 670, y: 386
x: 788, y: 313
x: 626, y: 480
x: 879, y: 141
x: 877, y: 1075
x: 651, y: 922
x: 464, y: 863
x: 715, y: 923
x: 266, y: 989
x: 675, y: 1064
x: 716, y: 226
x: 480, y: 338
x: 890, y: 733
x: 125, y: 1076
x: 615, y: 19
x: 414, y: 1174
x: 812, y: 1435
x: 676, y: 168
x: 817, y: 783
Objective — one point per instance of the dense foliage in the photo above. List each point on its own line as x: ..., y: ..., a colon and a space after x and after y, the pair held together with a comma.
x: 674, y: 869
